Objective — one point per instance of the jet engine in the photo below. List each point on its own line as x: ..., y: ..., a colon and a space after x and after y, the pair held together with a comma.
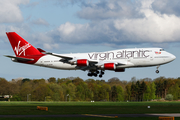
x: 109, y: 66
x: 81, y: 62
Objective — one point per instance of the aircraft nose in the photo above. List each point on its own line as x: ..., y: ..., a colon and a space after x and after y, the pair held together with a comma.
x: 173, y: 57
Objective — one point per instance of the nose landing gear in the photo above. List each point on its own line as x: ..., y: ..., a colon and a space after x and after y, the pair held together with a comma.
x: 157, y: 71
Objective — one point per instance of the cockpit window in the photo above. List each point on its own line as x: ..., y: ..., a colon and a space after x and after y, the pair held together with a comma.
x: 161, y: 49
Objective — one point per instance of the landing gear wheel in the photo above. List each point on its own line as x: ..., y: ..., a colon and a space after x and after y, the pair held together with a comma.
x: 95, y: 75
x: 102, y: 73
x: 97, y: 72
x: 100, y: 76
x: 89, y: 74
x: 157, y: 71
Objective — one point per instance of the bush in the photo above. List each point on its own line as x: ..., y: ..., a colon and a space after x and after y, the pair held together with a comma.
x: 16, y: 98
x: 4, y: 99
x: 169, y: 97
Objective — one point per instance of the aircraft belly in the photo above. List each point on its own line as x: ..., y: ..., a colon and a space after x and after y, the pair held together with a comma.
x: 53, y: 62
x: 63, y: 66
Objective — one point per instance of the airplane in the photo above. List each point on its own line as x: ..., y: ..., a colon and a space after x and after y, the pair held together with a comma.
x: 94, y: 62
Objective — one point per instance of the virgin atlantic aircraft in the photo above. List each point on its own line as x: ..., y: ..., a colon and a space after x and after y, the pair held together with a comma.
x: 95, y: 62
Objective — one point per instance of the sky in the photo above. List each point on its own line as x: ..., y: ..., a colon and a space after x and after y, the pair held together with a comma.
x: 76, y: 26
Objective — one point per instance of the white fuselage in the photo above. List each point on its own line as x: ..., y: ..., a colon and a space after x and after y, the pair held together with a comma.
x: 140, y: 57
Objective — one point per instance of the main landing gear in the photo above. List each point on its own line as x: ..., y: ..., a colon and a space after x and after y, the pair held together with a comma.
x: 157, y: 71
x: 95, y: 73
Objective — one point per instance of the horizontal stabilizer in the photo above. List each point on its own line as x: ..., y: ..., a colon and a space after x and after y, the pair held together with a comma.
x: 19, y: 58
x: 41, y: 50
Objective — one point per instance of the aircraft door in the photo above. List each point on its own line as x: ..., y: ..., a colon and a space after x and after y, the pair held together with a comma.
x: 151, y: 56
x: 41, y: 62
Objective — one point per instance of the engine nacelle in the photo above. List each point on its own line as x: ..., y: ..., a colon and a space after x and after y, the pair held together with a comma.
x: 82, y: 62
x: 109, y: 66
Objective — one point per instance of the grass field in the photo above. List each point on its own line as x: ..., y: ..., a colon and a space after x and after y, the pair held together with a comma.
x: 94, y: 118
x: 56, y: 108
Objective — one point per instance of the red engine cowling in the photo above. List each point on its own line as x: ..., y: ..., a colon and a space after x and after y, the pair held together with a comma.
x: 109, y: 66
x: 82, y: 62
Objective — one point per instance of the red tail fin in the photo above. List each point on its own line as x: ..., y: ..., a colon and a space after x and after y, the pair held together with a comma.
x: 20, y: 46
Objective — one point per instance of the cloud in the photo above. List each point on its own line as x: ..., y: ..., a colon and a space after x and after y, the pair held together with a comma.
x: 50, y: 46
x: 33, y: 4
x: 112, y: 22
x: 78, y: 33
x: 64, y: 3
x: 22, y: 29
x: 40, y: 21
x: 10, y: 11
x: 167, y: 7
x: 108, y: 9
x: 154, y: 27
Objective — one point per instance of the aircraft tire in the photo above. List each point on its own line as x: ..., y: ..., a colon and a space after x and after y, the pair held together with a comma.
x: 157, y: 71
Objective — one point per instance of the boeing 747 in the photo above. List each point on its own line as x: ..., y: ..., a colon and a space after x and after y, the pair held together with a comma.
x: 95, y: 62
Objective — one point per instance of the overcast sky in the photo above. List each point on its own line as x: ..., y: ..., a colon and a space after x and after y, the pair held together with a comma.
x: 75, y: 26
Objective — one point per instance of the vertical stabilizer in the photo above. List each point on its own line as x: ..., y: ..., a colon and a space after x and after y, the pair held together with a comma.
x: 20, y: 46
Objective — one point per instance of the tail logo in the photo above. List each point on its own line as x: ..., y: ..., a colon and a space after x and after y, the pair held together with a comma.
x: 19, y: 50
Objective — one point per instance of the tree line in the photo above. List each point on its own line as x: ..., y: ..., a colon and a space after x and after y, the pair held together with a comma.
x: 77, y: 89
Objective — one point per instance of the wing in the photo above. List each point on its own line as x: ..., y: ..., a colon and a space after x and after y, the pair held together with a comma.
x: 58, y: 55
x: 69, y: 58
x: 85, y: 64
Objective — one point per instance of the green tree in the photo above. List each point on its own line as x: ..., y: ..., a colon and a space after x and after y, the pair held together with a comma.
x: 72, y: 91
x: 133, y: 91
x: 174, y: 91
x: 40, y: 92
x: 25, y: 80
x: 120, y: 93
x: 52, y: 80
x: 128, y: 92
x: 153, y: 91
x: 97, y: 92
x: 147, y: 93
x: 105, y: 91
x: 138, y: 91
x: 91, y: 83
x: 77, y: 81
x: 4, y: 87
x: 159, y: 87
x: 143, y: 88
x: 65, y: 90
x: 82, y: 91
x: 62, y: 80
x: 169, y: 97
x: 113, y: 93
x: 25, y: 90
x: 56, y: 94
